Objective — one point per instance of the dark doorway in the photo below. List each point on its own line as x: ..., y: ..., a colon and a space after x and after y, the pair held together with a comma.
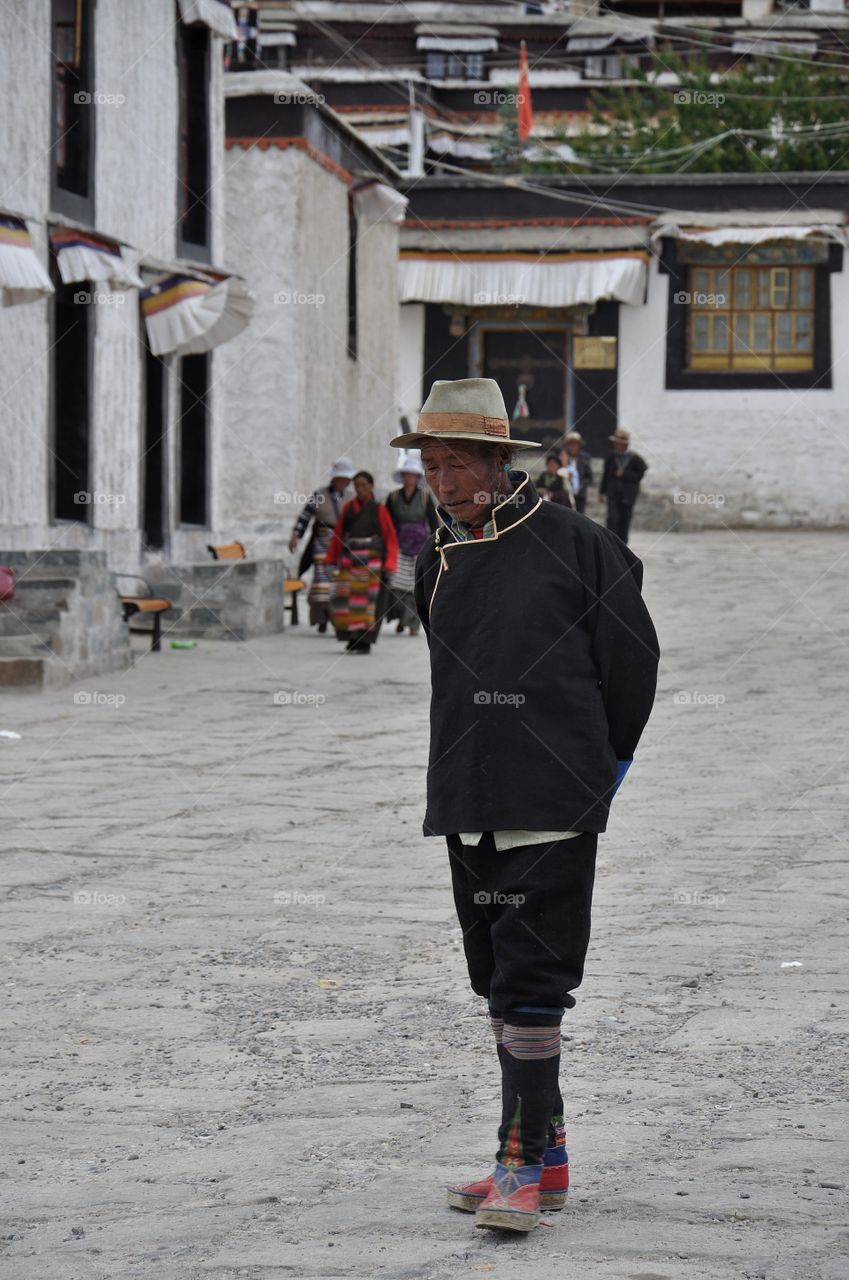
x: 193, y: 439
x: 153, y: 456
x: 72, y: 323
x: 530, y: 366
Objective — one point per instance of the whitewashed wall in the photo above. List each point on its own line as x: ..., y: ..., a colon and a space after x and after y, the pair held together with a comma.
x: 293, y: 398
x: 136, y: 202
x: 750, y: 457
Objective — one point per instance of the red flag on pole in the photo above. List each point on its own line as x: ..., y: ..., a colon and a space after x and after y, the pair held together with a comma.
x: 524, y: 97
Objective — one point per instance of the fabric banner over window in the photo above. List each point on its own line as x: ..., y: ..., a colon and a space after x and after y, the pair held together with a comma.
x: 375, y: 202
x: 215, y: 14
x: 556, y: 280
x: 80, y: 255
x: 188, y: 315
x: 718, y: 235
x: 22, y: 277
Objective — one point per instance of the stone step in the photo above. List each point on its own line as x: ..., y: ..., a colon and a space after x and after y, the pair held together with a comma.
x: 22, y: 621
x: 26, y: 646
x: 34, y: 583
x: 23, y: 672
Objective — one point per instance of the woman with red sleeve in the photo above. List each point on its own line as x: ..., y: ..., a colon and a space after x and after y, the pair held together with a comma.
x: 364, y: 548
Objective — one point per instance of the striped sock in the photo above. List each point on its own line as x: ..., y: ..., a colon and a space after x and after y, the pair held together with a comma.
x: 527, y: 1043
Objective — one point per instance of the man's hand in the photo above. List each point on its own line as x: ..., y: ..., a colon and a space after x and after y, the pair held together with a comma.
x: 293, y: 542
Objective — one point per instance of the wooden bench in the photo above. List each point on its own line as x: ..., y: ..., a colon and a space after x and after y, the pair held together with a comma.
x: 293, y: 586
x: 227, y: 551
x: 145, y: 604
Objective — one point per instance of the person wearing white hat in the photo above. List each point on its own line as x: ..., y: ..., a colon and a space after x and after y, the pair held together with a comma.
x: 412, y: 512
x: 620, y: 482
x: 324, y: 508
x: 543, y: 670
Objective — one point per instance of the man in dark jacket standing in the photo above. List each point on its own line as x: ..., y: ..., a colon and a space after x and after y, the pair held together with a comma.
x: 543, y: 666
x: 620, y: 482
x: 575, y: 453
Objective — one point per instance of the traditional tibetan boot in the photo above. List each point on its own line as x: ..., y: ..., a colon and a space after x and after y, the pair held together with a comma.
x: 513, y: 1200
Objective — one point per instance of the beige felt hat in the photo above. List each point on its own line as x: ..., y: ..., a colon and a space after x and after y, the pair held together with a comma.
x: 464, y: 409
x: 621, y: 434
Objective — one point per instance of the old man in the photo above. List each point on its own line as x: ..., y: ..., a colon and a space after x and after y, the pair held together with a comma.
x: 543, y: 666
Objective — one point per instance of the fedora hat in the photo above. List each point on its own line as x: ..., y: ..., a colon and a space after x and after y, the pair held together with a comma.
x: 574, y: 435
x: 621, y: 434
x: 464, y: 409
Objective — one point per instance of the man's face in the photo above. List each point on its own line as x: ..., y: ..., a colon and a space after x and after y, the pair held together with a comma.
x: 340, y: 483
x: 573, y: 448
x: 620, y: 445
x: 362, y: 488
x: 463, y: 476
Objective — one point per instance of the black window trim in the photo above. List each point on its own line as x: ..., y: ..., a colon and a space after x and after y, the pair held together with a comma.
x: 680, y: 378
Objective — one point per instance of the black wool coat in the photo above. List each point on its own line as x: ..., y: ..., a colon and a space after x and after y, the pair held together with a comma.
x: 626, y: 488
x: 543, y: 669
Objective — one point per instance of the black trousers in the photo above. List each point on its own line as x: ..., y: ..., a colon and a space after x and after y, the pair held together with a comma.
x: 525, y: 916
x: 619, y: 516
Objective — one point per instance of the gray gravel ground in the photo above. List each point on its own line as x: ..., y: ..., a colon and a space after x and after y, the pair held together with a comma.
x: 251, y: 1053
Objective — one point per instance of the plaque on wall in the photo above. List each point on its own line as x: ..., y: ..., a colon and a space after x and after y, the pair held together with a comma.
x: 593, y: 353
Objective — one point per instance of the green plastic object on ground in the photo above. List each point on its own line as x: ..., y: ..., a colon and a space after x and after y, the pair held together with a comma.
x: 184, y: 644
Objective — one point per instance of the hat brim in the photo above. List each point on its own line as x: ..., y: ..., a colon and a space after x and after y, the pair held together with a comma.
x: 419, y: 438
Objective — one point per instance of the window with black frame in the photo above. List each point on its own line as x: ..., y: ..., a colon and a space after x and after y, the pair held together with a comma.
x: 194, y: 140
x: 751, y: 317
x: 192, y: 436
x: 73, y: 318
x: 73, y: 105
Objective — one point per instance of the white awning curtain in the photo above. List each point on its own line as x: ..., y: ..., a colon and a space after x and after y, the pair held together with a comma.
x: 457, y: 44
x: 215, y: 14
x: 22, y: 277
x: 751, y: 235
x: 81, y: 255
x: 558, y: 280
x: 589, y: 44
x: 270, y: 39
x: 375, y: 202
x: 188, y: 315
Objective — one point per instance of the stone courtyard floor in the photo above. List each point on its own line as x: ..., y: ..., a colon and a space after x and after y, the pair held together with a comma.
x: 239, y: 1042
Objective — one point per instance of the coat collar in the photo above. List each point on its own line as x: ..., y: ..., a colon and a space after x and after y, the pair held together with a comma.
x: 515, y: 507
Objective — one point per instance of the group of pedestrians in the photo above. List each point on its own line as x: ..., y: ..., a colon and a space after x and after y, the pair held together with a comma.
x: 568, y: 478
x: 363, y: 552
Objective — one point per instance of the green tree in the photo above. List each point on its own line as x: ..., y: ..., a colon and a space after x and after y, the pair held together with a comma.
x: 762, y: 115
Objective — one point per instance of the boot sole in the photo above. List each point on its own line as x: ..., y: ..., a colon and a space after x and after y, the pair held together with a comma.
x: 506, y: 1219
x: 549, y: 1201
